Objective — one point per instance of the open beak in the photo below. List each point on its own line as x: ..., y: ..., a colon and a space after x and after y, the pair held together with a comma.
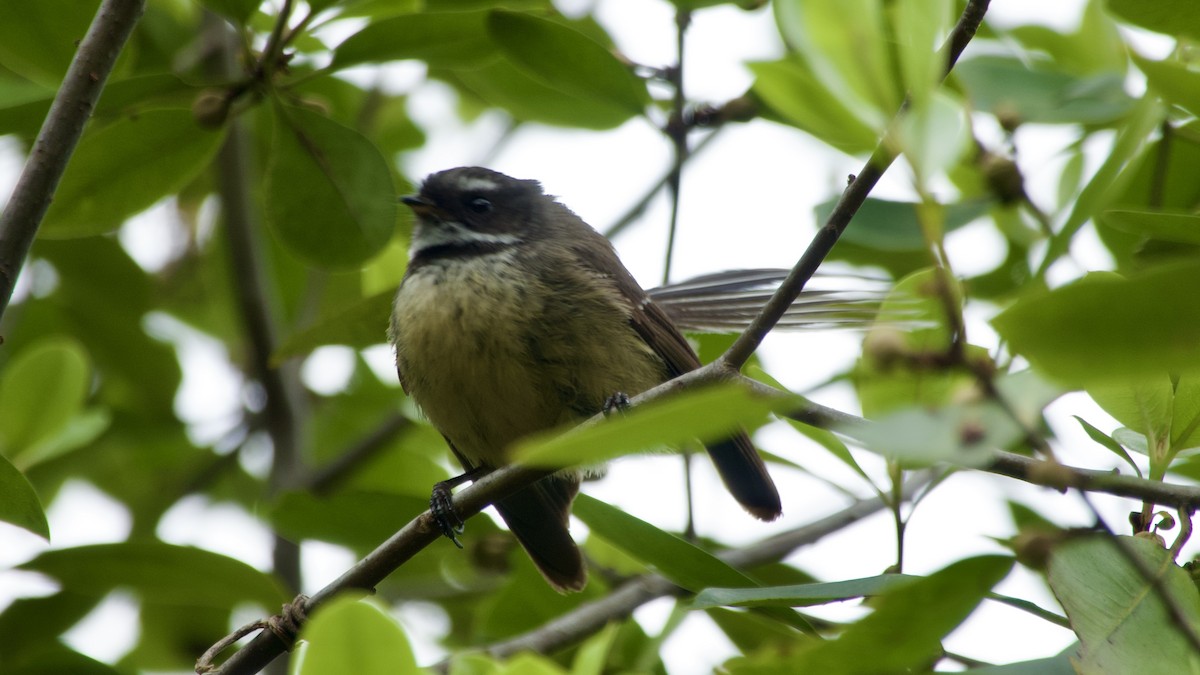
x: 422, y: 207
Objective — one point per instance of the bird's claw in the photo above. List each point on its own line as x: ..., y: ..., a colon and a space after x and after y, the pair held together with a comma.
x: 442, y: 507
x: 617, y: 403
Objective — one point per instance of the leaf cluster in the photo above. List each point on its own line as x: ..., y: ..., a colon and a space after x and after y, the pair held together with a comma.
x: 240, y: 136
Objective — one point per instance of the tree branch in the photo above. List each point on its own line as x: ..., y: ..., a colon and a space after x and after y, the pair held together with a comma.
x: 852, y: 199
x: 587, y: 619
x: 1046, y: 473
x: 376, y: 566
x: 55, y: 143
x: 256, y: 309
x: 422, y: 531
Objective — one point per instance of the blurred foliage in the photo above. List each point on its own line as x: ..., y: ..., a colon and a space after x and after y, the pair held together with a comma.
x: 92, y: 362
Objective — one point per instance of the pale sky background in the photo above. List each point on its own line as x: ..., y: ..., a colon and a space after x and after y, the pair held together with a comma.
x: 747, y: 202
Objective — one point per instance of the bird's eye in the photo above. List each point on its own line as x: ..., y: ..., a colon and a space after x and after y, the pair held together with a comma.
x: 479, y: 205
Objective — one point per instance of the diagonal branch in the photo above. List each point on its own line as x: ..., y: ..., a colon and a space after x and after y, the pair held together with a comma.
x: 398, y: 549
x: 852, y: 199
x: 423, y: 531
x: 587, y: 619
x: 60, y: 133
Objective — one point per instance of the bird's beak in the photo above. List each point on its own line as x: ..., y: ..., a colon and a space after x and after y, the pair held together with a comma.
x: 415, y: 202
x: 422, y: 207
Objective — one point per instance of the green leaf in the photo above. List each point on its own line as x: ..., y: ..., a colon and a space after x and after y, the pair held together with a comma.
x: 567, y: 60
x: 1143, y: 405
x: 352, y: 635
x: 1185, y: 413
x: 894, y: 226
x: 442, y: 40
x: 1038, y: 93
x: 38, y: 39
x: 933, y: 135
x: 886, y: 383
x: 1183, y: 228
x: 850, y: 58
x: 1173, y: 17
x: 20, y: 504
x: 961, y: 433
x: 1095, y: 46
x: 124, y: 168
x: 593, y: 654
x: 906, y: 629
x: 158, y: 572
x: 1054, y: 665
x: 359, y: 325
x: 1108, y: 329
x: 503, y: 84
x: 41, y: 389
x: 356, y: 518
x: 823, y: 437
x: 58, y: 658
x: 79, y: 431
x: 800, y: 595
x: 750, y: 631
x: 33, y: 625
x: 329, y: 193
x: 705, y: 414
x: 920, y: 27
x: 238, y: 10
x: 1144, y: 119
x: 1103, y: 439
x: 685, y: 564
x: 1173, y: 80
x: 790, y: 90
x: 1119, y: 616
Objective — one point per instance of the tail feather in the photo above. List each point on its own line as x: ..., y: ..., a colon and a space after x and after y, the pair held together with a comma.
x: 745, y: 476
x: 538, y: 517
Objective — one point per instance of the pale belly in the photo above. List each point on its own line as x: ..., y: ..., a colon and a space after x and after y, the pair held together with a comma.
x: 490, y: 358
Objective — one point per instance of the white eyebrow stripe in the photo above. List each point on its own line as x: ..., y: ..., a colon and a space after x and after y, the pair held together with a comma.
x: 477, y: 184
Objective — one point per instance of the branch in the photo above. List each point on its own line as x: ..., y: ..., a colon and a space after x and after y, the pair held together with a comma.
x: 422, y: 531
x: 324, y: 479
x: 376, y: 566
x: 677, y: 130
x: 852, y: 199
x: 632, y: 213
x: 253, y: 296
x: 60, y: 134
x: 587, y: 619
x: 1046, y: 473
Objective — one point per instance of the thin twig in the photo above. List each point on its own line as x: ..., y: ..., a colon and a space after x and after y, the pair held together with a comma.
x: 677, y: 130
x: 253, y: 293
x: 852, y: 199
x: 1041, y: 472
x: 275, y: 43
x: 55, y: 143
x: 326, y: 477
x: 642, y: 203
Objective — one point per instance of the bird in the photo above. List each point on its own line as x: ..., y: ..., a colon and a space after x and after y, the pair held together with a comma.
x: 515, y: 316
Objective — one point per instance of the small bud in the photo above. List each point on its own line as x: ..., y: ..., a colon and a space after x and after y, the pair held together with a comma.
x: 1003, y: 177
x: 211, y: 109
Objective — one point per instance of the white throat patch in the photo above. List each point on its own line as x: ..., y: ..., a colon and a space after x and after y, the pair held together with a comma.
x: 428, y: 235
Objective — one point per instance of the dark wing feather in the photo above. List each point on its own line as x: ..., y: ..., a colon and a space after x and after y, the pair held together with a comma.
x: 739, y: 464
